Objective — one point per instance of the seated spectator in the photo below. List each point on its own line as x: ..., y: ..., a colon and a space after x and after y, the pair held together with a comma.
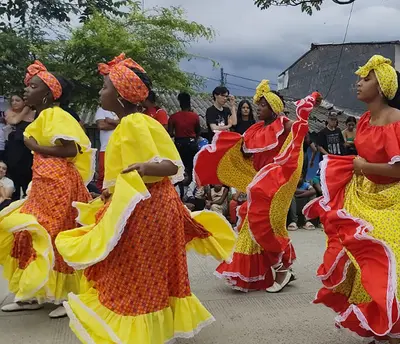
x: 154, y: 111
x: 316, y: 183
x: 238, y: 198
x: 6, y: 187
x: 196, y: 195
x: 217, y: 198
x: 304, y: 193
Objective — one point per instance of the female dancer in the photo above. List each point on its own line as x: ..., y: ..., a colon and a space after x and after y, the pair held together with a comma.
x: 361, y: 214
x: 62, y: 163
x: 245, y: 117
x: 136, y: 287
x: 267, y: 161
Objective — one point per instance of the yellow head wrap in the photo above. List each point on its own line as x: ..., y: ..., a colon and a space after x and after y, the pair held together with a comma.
x: 263, y: 90
x: 385, y: 73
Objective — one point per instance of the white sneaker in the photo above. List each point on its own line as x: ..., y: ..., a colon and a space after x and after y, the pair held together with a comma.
x: 59, y: 312
x: 21, y: 306
x: 276, y: 287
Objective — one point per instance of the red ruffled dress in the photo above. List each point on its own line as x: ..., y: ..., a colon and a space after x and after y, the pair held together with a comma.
x: 361, y: 215
x: 269, y: 175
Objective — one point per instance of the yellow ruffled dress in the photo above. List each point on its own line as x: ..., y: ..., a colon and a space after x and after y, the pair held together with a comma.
x: 133, y: 249
x: 32, y: 266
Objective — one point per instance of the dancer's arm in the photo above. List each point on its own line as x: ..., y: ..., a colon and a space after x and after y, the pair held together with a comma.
x: 67, y: 149
x: 164, y: 168
x: 361, y: 166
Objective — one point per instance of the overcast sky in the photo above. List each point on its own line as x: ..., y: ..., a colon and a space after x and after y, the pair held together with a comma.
x: 261, y: 44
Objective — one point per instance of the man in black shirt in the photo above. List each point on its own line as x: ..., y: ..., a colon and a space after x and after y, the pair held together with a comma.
x: 330, y: 139
x: 219, y: 117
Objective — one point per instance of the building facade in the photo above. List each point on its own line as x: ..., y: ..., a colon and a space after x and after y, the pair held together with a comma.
x: 329, y: 68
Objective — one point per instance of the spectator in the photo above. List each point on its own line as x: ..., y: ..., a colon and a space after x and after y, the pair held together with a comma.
x: 6, y: 187
x: 219, y: 117
x: 306, y: 145
x: 106, y: 122
x: 304, y: 193
x: 217, y: 198
x: 18, y: 157
x: 185, y: 127
x: 154, y: 111
x: 18, y: 111
x: 330, y: 139
x: 196, y: 195
x: 349, y: 135
x: 245, y: 117
x: 238, y: 198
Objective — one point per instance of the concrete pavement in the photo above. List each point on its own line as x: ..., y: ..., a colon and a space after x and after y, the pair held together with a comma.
x: 254, y: 318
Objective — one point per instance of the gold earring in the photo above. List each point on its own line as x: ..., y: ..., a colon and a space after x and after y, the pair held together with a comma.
x: 121, y: 103
x: 44, y: 101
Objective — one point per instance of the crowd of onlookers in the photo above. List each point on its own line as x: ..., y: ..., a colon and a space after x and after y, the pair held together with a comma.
x: 184, y: 127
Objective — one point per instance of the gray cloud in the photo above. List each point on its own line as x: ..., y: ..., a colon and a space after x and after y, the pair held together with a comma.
x: 260, y: 44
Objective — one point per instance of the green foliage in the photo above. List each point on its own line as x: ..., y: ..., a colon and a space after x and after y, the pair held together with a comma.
x: 17, y: 14
x: 306, y: 6
x: 157, y: 39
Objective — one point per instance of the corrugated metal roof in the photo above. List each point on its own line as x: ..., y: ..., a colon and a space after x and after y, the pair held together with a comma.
x: 201, y: 102
x: 316, y: 46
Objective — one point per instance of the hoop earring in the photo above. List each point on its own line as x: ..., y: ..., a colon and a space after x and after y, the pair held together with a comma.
x: 44, y: 101
x: 121, y: 103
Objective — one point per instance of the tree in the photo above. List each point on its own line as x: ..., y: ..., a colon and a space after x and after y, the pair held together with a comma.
x: 16, y: 14
x: 305, y: 5
x: 158, y: 39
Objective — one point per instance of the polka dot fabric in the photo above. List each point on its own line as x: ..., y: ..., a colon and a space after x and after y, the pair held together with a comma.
x: 149, y: 264
x: 55, y: 185
x: 361, y: 216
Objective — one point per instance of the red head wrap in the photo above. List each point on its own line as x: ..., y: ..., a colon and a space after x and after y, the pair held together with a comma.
x: 124, y: 79
x: 37, y: 68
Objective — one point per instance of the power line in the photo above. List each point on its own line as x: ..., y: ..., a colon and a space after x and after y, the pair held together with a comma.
x: 213, y: 79
x: 248, y: 79
x: 341, y: 51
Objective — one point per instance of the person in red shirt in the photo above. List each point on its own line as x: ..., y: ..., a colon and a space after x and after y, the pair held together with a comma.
x: 152, y: 110
x: 185, y: 127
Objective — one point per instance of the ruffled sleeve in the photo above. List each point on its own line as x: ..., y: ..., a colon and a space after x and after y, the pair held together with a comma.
x: 260, y: 137
x: 54, y: 124
x: 392, y: 142
x: 139, y: 139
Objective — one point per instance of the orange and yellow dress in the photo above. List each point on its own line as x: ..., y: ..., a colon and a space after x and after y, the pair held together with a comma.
x: 361, y: 215
x: 32, y: 265
x: 133, y: 248
x: 270, y: 178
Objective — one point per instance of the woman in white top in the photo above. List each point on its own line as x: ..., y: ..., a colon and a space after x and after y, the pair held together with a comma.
x: 6, y: 187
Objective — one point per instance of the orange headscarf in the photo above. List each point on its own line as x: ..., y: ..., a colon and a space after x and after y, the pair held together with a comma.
x: 127, y: 83
x: 37, y: 68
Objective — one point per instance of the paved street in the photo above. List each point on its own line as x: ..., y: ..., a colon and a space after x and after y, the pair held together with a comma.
x: 252, y: 318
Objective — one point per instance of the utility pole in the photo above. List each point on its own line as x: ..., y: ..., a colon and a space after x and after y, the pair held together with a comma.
x: 142, y: 5
x: 222, y: 77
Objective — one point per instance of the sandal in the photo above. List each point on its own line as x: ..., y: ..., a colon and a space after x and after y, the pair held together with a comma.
x: 276, y: 287
x: 293, y: 227
x: 309, y: 226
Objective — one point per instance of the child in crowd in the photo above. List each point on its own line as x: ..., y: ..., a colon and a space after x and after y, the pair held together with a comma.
x: 217, y: 199
x: 304, y: 193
